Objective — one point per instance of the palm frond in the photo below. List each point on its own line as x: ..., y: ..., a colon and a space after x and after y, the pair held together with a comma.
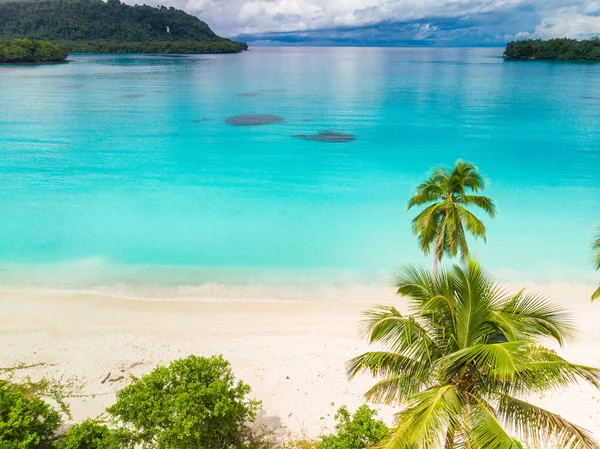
x: 483, y: 202
x: 416, y: 283
x: 498, y: 361
x: 394, y: 390
x: 485, y: 431
x: 424, y: 422
x: 426, y: 224
x: 403, y: 335
x: 537, y: 426
x: 532, y: 316
x: 384, y: 364
x: 542, y: 369
x: 473, y: 301
x: 461, y: 238
x: 426, y: 192
x: 468, y: 176
x: 402, y: 375
x: 473, y: 224
x: 449, y: 233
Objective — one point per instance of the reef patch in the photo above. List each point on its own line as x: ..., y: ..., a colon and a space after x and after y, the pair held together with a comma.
x: 327, y: 136
x: 254, y: 120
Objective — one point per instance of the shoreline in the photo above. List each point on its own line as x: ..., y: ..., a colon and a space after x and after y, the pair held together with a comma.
x: 280, y: 290
x: 292, y: 354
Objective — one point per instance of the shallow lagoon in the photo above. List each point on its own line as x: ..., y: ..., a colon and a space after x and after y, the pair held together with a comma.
x: 122, y: 169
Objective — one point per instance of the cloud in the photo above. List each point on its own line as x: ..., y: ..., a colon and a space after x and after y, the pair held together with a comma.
x: 575, y: 21
x: 467, y: 22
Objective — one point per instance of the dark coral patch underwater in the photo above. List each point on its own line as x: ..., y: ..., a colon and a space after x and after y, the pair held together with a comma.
x: 254, y: 119
x: 327, y: 136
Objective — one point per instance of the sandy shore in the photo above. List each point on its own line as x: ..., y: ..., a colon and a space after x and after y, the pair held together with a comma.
x: 292, y: 354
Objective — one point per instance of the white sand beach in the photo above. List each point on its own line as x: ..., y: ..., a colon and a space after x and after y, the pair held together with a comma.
x: 291, y: 353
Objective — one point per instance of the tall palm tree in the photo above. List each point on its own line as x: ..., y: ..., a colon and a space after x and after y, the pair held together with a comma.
x: 462, y: 361
x: 442, y: 223
x: 596, y: 252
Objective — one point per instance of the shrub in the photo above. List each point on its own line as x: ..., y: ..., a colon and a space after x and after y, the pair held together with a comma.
x: 302, y: 443
x: 195, y: 402
x: 25, y: 422
x: 89, y: 435
x: 358, y: 431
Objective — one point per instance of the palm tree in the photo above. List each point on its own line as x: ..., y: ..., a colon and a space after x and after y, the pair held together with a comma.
x: 462, y: 361
x: 596, y: 252
x: 442, y: 223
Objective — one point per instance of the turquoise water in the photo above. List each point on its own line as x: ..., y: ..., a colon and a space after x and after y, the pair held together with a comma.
x: 120, y: 169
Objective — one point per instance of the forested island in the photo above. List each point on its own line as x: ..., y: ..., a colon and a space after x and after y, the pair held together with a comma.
x: 30, y: 51
x: 564, y: 49
x: 95, y: 26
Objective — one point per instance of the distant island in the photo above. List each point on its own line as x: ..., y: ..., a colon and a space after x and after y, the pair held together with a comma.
x: 30, y: 51
x: 95, y: 26
x: 563, y: 49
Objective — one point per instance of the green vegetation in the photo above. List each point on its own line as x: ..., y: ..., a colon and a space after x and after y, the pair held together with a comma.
x: 442, y: 223
x: 57, y: 390
x: 596, y: 255
x: 194, y: 402
x: 461, y: 362
x: 359, y: 431
x: 96, y: 26
x: 166, y: 47
x: 28, y: 51
x: 26, y: 422
x: 89, y: 435
x: 566, y: 49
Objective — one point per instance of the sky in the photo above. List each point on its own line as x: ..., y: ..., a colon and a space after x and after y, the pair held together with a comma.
x: 395, y: 22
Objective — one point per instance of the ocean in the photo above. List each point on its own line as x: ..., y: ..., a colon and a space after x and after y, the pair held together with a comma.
x: 119, y: 173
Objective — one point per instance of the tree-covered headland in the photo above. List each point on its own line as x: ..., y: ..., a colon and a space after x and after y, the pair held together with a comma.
x: 95, y: 26
x: 565, y: 49
x: 30, y: 51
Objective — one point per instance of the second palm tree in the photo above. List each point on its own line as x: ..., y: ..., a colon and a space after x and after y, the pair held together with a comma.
x: 443, y: 222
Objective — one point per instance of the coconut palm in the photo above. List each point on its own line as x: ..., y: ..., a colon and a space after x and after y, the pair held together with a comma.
x: 443, y: 222
x: 462, y: 361
x: 596, y: 252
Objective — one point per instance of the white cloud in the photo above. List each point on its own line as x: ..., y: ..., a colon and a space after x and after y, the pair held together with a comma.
x: 576, y: 21
x: 233, y: 17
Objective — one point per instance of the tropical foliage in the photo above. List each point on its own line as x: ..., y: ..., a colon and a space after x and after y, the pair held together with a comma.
x: 89, y: 435
x: 446, y: 219
x: 25, y: 422
x: 596, y: 255
x: 359, y: 431
x: 568, y: 49
x: 111, y: 27
x: 29, y: 51
x: 462, y: 361
x: 194, y: 402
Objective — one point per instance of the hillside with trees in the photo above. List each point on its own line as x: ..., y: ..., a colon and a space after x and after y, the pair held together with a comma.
x: 564, y: 49
x: 111, y: 27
